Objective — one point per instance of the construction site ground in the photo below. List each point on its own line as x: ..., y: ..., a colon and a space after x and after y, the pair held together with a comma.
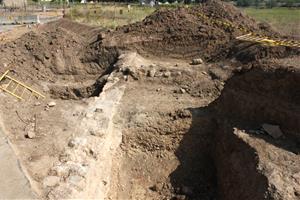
x: 173, y: 107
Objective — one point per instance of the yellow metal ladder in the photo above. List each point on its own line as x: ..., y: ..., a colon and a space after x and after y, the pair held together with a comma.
x: 265, y: 40
x: 17, y: 89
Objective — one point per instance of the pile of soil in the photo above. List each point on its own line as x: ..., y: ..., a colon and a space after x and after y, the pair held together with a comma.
x: 183, y: 33
x: 56, y: 54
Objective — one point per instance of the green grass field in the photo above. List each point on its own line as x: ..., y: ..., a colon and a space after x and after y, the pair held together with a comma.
x: 284, y: 20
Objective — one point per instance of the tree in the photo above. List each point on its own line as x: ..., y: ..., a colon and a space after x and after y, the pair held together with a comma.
x: 187, y: 1
x: 271, y: 3
x: 256, y: 3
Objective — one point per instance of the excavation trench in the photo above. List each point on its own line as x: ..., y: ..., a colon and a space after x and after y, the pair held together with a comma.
x: 206, y: 151
x: 183, y: 135
x: 175, y: 135
x: 156, y: 127
x: 199, y: 159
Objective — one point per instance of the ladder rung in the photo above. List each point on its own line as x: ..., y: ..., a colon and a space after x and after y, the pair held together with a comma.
x: 30, y: 96
x: 11, y: 93
x: 15, y: 89
x: 8, y: 84
x: 23, y: 92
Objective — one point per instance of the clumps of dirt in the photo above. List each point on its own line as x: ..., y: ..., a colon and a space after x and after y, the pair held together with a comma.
x: 246, y: 52
x: 183, y: 33
x: 214, y: 150
x: 272, y: 88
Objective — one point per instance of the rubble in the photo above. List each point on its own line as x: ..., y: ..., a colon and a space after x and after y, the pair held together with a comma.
x: 51, y: 181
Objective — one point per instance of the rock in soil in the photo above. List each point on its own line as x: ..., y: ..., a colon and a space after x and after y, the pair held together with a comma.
x: 273, y: 130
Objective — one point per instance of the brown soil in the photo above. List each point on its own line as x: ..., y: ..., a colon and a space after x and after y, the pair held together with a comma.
x: 188, y: 131
x: 56, y: 55
x: 182, y: 33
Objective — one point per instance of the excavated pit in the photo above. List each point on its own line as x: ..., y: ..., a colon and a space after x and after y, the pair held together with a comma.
x: 188, y: 131
x: 82, y: 89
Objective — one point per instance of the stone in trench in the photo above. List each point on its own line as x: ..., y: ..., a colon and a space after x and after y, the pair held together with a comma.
x: 51, y: 104
x: 204, y: 73
x: 51, y: 181
x: 273, y: 130
x: 37, y: 103
x: 60, y: 170
x: 77, y: 180
x: 151, y: 72
x: 197, y: 61
x: 167, y: 74
x: 89, y: 115
x: 30, y: 134
x: 99, y: 110
x: 182, y: 91
x: 157, y: 187
x: 75, y: 142
x: 225, y: 67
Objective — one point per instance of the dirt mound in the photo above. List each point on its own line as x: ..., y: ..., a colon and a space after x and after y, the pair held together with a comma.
x: 59, y: 56
x: 87, y: 32
x: 183, y: 33
x: 75, y: 55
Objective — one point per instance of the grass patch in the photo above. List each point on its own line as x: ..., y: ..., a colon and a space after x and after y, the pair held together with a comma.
x: 108, y: 16
x: 284, y: 20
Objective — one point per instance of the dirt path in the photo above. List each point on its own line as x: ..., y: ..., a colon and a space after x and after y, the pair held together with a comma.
x: 11, y: 174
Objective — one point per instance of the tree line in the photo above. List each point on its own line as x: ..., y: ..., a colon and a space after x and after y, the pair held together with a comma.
x: 267, y: 3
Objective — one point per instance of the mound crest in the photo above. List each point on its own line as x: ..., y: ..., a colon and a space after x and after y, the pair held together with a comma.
x: 184, y: 33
